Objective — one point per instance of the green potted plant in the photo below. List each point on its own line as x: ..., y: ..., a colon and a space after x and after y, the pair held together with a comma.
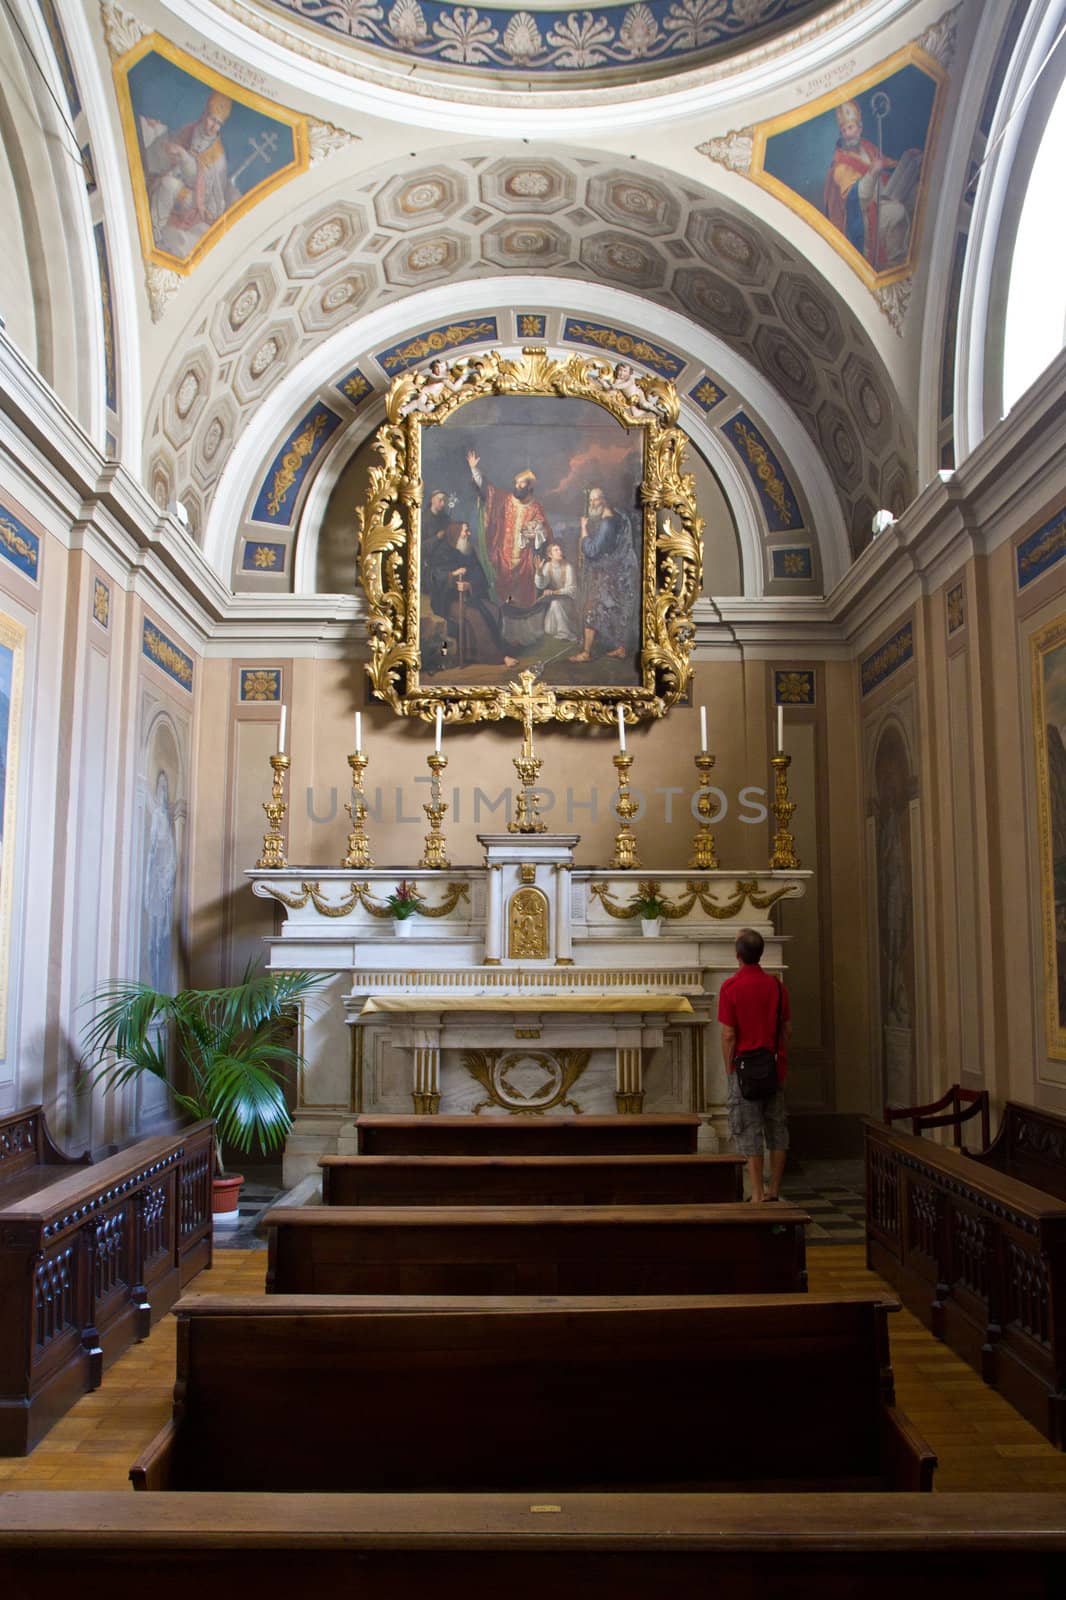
x: 222, y: 1053
x: 403, y: 903
x: 650, y: 908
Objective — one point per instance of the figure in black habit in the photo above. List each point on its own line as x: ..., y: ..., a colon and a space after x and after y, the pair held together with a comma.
x: 459, y: 591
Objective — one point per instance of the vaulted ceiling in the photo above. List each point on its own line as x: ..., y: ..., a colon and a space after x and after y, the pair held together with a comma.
x: 647, y: 179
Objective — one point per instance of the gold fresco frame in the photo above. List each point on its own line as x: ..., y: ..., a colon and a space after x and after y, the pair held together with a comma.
x: 390, y: 541
x: 1046, y: 639
x: 909, y: 55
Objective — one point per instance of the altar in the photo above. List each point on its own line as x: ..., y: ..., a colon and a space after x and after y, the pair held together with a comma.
x: 526, y: 986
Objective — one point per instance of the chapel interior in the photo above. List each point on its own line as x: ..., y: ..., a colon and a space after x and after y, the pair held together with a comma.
x: 821, y: 239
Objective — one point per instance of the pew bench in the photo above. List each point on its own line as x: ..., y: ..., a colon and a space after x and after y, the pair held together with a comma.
x: 314, y: 1394
x: 979, y: 1256
x: 89, y: 1260
x: 531, y: 1180
x: 726, y: 1249
x: 479, y: 1547
x: 516, y: 1136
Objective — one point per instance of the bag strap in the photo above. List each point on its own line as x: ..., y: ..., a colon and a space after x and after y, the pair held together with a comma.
x: 780, y: 1003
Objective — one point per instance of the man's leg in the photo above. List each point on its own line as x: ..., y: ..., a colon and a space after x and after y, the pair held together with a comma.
x: 755, y: 1177
x: 777, y: 1171
x: 586, y: 653
x: 776, y: 1125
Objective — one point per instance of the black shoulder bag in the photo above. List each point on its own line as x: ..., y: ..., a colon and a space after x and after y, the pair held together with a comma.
x: 757, y: 1069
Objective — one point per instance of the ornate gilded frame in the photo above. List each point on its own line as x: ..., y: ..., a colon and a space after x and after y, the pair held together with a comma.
x: 390, y: 537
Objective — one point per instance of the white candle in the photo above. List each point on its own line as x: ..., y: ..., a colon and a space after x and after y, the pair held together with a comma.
x: 780, y: 729
x: 281, y: 730
x: 622, y: 730
x: 703, y: 730
x: 440, y: 719
x: 358, y: 732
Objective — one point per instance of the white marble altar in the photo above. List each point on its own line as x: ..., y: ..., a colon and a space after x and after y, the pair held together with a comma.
x: 526, y: 988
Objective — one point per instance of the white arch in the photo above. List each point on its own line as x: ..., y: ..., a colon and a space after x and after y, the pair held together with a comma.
x: 997, y: 202
x: 389, y: 323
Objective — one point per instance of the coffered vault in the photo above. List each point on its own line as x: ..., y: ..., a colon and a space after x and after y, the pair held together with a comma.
x: 634, y: 227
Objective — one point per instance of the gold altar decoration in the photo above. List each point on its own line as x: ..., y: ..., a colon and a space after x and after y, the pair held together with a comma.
x: 358, y: 853
x: 390, y: 536
x: 359, y: 895
x: 784, y: 857
x: 704, y: 854
x: 273, y: 857
x: 527, y: 925
x: 625, y: 845
x: 433, y: 855
x: 532, y: 702
x: 746, y: 892
x: 560, y: 1071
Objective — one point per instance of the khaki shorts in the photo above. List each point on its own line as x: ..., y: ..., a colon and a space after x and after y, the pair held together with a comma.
x: 755, y: 1122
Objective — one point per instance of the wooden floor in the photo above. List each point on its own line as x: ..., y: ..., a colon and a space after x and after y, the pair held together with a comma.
x: 981, y: 1441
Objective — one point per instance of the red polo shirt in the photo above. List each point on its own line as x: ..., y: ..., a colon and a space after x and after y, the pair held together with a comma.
x: 748, y: 1003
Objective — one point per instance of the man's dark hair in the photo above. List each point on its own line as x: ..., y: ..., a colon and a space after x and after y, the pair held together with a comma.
x: 750, y: 946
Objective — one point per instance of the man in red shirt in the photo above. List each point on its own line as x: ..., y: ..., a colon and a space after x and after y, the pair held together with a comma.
x: 747, y: 1011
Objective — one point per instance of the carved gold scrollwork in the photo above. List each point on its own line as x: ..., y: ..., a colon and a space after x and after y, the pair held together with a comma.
x: 746, y: 891
x: 561, y: 1070
x: 311, y: 893
x: 390, y: 535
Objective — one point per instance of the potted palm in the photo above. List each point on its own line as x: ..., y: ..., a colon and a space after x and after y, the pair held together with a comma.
x: 649, y: 907
x: 403, y: 903
x: 222, y: 1053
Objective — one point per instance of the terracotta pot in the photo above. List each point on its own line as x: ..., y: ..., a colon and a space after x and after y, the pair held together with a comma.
x: 225, y: 1198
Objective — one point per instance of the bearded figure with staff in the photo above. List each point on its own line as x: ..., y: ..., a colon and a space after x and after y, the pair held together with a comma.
x: 869, y: 195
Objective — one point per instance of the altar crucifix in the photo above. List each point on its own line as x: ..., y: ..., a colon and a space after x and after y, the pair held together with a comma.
x: 533, y: 702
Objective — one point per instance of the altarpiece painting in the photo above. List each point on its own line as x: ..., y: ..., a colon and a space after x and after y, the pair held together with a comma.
x: 530, y: 515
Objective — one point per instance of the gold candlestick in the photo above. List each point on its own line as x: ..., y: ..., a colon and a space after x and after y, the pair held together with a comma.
x: 273, y: 843
x: 358, y: 843
x: 784, y: 855
x: 625, y: 845
x: 433, y: 855
x: 704, y: 855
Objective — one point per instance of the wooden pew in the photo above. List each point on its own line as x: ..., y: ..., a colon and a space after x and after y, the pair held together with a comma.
x: 730, y: 1249
x: 529, y: 1136
x: 90, y: 1257
x: 313, y: 1394
x: 980, y: 1257
x: 481, y: 1547
x: 530, y: 1180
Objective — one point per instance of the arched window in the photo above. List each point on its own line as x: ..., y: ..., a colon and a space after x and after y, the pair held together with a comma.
x: 1035, y: 324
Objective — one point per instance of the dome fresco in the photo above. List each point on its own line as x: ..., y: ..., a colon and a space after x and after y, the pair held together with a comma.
x: 648, y: 36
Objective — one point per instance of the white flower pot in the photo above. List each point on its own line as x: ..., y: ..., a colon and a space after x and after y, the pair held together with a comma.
x: 404, y: 926
x: 651, y: 927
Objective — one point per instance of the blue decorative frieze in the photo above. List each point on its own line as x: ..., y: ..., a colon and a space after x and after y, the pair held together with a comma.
x: 1042, y: 549
x: 887, y: 659
x: 260, y: 684
x: 355, y: 386
x: 287, y: 474
x: 531, y: 324
x: 624, y: 346
x: 261, y: 555
x: 792, y: 563
x: 435, y: 341
x: 766, y: 473
x: 794, y: 687
x: 166, y: 655
x: 62, y: 55
x: 497, y: 39
x: 706, y: 394
x: 18, y: 544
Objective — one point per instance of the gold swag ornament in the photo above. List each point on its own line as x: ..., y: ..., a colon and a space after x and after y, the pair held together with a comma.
x: 390, y: 536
